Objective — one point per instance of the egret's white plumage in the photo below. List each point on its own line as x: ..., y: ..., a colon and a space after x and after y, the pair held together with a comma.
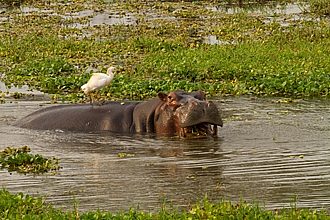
x: 98, y: 81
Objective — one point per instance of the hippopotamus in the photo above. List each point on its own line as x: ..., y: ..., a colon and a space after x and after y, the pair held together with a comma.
x: 177, y: 113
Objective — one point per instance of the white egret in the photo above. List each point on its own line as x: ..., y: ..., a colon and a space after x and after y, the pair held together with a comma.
x: 98, y: 81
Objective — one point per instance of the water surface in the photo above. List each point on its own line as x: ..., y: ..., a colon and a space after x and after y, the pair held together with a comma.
x: 268, y: 151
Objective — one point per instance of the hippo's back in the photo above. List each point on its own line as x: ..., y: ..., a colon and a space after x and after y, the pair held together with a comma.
x: 113, y: 116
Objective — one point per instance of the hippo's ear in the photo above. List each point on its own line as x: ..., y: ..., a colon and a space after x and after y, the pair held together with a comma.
x: 162, y: 96
x: 199, y: 95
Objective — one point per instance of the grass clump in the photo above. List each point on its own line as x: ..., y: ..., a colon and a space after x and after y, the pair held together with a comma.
x: 256, y: 68
x: 11, y: 2
x: 243, y: 210
x: 320, y: 7
x: 20, y: 206
x: 21, y: 161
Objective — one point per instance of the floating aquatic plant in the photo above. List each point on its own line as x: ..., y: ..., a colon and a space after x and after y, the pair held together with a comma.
x: 22, y: 161
x: 125, y: 155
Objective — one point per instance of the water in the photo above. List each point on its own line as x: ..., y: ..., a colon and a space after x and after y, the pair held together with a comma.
x: 268, y: 151
x: 282, y: 13
x: 258, y: 9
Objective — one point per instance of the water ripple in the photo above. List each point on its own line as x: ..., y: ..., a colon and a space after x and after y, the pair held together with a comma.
x: 271, y: 152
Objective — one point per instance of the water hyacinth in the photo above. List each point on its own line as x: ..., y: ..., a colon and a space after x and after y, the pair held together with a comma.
x: 163, y: 47
x: 21, y: 161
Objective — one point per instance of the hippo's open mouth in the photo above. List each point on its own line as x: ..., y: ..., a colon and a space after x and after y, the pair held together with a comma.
x: 202, y: 129
x: 199, y: 118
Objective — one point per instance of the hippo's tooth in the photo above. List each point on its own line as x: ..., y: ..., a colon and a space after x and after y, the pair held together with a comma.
x: 209, y: 129
x: 215, y: 130
x: 182, y: 132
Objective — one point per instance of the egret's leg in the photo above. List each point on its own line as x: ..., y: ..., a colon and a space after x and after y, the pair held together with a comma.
x: 90, y: 99
x: 97, y: 97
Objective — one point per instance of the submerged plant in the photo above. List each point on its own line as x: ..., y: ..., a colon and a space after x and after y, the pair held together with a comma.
x: 125, y: 155
x: 21, y: 161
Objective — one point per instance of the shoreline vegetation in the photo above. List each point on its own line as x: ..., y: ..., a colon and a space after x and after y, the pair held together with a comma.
x: 21, y: 206
x: 273, y: 48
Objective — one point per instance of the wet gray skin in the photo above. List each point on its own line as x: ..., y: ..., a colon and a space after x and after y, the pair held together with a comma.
x: 268, y: 151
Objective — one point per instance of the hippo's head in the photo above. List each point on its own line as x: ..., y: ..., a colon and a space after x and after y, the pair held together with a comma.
x: 187, y: 114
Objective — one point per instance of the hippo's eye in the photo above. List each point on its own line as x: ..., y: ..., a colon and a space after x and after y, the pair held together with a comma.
x: 170, y: 98
x: 171, y: 101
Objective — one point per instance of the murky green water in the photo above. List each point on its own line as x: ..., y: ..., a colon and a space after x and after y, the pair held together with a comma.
x: 267, y: 152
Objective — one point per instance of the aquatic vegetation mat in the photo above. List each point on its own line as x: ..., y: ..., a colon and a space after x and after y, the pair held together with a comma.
x: 22, y: 161
x: 21, y: 206
x: 320, y: 7
x: 162, y: 46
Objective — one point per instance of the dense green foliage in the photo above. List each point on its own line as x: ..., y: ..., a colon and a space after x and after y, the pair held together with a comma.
x: 20, y: 206
x: 21, y: 161
x: 320, y: 7
x: 251, y: 54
